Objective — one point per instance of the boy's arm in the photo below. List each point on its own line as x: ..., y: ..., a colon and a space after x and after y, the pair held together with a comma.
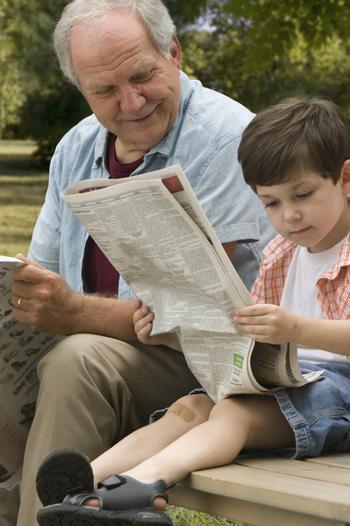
x: 143, y: 320
x: 274, y: 324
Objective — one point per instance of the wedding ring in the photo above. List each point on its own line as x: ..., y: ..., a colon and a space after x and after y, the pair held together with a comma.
x: 19, y: 302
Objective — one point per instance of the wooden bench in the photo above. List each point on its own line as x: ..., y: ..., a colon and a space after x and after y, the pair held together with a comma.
x: 272, y: 491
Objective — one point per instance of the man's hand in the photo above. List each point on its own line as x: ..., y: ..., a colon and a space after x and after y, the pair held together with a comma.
x: 268, y: 323
x: 143, y: 322
x: 42, y: 299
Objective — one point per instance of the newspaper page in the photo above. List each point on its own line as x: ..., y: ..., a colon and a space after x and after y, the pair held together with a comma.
x: 153, y: 230
x: 20, y: 350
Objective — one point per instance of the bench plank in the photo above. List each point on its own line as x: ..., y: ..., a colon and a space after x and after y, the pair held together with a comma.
x: 317, y: 471
x: 244, y: 511
x: 338, y: 459
x: 276, y: 487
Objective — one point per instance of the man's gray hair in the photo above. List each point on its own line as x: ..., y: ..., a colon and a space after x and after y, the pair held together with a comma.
x: 153, y: 13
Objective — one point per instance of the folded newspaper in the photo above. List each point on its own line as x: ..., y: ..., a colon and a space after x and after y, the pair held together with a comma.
x: 20, y: 350
x: 155, y: 233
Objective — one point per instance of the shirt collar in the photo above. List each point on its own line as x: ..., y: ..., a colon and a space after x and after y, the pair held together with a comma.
x: 279, y: 247
x: 342, y: 261
x: 165, y: 146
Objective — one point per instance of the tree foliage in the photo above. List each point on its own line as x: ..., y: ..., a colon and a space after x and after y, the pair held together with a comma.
x: 256, y: 51
x: 273, y: 27
x: 11, y: 93
x: 262, y: 51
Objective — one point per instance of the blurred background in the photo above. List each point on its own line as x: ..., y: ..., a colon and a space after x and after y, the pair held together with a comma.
x: 255, y: 51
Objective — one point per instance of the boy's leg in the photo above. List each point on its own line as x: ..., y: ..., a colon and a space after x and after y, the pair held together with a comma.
x: 235, y: 423
x: 183, y: 415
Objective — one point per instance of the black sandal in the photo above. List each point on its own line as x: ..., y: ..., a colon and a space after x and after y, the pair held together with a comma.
x: 123, y: 500
x: 62, y: 472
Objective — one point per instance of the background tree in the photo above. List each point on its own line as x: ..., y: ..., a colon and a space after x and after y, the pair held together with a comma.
x: 11, y: 94
x: 256, y: 51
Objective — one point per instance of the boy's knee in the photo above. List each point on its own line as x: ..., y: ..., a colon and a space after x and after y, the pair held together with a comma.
x: 239, y: 409
x: 192, y: 409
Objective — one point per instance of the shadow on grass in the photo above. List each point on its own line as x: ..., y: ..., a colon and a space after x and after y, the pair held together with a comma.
x: 23, y: 165
x: 18, y: 158
x: 23, y: 183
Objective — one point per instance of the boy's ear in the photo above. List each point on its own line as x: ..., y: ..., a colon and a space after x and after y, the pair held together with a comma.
x: 345, y: 176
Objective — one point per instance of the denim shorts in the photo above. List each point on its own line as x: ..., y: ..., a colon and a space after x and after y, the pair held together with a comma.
x: 318, y: 413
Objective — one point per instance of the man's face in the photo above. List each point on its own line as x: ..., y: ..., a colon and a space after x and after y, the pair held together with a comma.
x: 131, y: 87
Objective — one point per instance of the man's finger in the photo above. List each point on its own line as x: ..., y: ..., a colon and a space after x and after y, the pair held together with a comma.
x: 30, y: 273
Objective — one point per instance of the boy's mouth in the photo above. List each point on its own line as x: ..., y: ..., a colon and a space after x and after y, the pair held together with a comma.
x: 301, y: 230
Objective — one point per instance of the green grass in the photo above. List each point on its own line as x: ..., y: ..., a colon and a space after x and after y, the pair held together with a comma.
x: 22, y: 189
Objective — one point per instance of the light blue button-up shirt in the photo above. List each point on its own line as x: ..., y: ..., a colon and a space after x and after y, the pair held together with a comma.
x: 204, y: 140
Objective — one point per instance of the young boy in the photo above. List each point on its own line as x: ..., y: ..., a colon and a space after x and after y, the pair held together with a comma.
x: 296, y: 156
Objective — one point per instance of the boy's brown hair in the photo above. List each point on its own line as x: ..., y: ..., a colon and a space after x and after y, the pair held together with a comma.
x: 296, y: 134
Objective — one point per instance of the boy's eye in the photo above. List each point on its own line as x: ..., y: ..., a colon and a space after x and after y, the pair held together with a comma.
x: 271, y: 204
x: 304, y: 195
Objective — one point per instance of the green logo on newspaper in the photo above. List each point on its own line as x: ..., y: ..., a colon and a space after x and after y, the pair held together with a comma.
x: 237, y: 360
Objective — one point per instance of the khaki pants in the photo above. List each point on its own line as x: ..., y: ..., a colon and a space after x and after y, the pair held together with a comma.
x: 9, y: 503
x: 93, y: 391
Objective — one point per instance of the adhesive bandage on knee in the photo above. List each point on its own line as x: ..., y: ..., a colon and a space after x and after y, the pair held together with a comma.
x: 182, y: 411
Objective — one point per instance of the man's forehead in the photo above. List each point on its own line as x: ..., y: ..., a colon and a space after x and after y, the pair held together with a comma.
x: 114, y: 23
x: 94, y: 43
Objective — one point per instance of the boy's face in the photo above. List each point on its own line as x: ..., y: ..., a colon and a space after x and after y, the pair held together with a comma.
x: 308, y: 209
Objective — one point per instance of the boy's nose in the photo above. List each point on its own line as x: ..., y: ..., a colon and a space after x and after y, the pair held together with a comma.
x: 291, y: 214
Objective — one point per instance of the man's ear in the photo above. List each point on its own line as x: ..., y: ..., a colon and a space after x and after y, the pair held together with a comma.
x: 345, y: 177
x: 176, y: 51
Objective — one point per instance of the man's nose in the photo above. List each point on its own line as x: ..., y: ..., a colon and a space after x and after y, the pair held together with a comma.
x: 131, y: 100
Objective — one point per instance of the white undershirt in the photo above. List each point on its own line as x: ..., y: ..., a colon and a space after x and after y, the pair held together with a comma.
x: 299, y: 294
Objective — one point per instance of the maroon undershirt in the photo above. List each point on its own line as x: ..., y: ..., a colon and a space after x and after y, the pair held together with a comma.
x: 99, y: 275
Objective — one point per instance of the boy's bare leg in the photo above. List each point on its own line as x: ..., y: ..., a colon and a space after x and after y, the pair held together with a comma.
x: 183, y: 415
x: 247, y: 422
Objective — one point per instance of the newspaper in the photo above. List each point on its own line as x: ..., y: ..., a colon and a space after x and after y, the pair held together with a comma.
x: 20, y: 350
x: 155, y: 233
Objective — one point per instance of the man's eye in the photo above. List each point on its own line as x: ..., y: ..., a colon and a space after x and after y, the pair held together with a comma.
x: 144, y: 77
x: 103, y: 91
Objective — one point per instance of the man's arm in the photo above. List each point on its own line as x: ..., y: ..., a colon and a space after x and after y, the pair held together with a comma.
x: 43, y: 300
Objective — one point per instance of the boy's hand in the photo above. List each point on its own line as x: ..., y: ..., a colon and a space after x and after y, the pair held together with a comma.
x: 143, y: 321
x: 267, y: 323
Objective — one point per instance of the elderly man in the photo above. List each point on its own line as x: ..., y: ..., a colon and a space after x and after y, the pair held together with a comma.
x: 99, y: 384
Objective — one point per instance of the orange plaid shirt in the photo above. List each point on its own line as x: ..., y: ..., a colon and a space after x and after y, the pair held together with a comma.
x: 332, y: 289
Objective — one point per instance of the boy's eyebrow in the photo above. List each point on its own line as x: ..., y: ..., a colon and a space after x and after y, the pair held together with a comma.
x: 294, y: 186
x: 265, y: 196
